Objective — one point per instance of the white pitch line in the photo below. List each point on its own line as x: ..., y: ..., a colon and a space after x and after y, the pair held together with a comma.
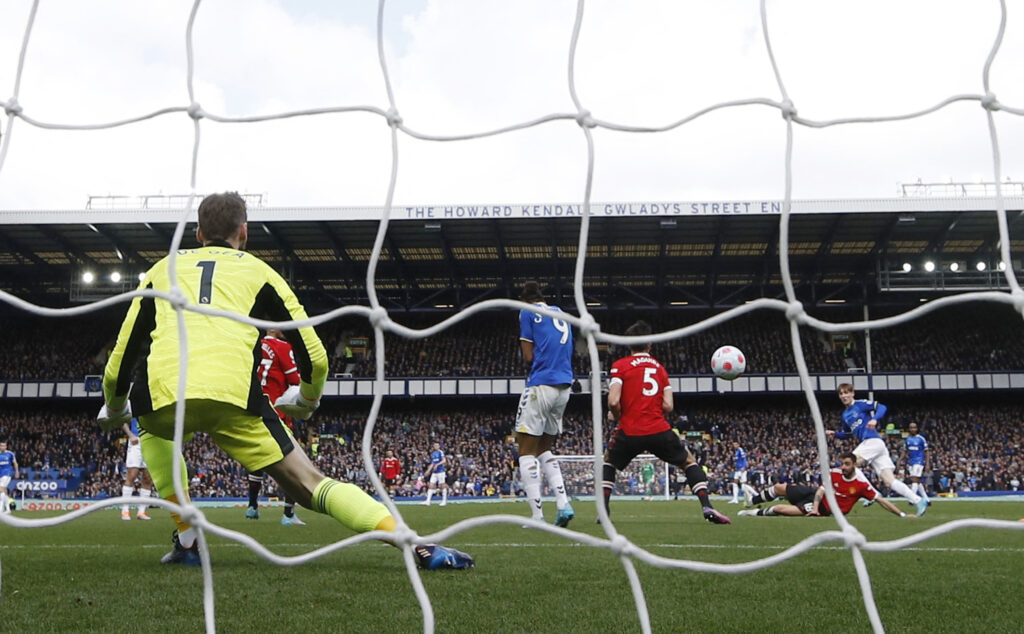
x: 217, y: 546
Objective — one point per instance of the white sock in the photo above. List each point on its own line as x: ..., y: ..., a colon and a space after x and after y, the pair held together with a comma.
x: 922, y: 491
x: 444, y: 495
x: 735, y: 492
x: 127, y: 492
x: 553, y: 474
x: 904, y: 490
x: 529, y: 469
x: 430, y: 494
x: 4, y: 504
x: 145, y: 493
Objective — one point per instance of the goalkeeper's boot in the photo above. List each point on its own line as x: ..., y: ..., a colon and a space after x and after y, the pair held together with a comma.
x: 437, y: 557
x: 182, y: 555
x: 291, y: 521
x: 564, y: 516
x: 921, y: 506
x: 715, y: 517
x: 252, y: 513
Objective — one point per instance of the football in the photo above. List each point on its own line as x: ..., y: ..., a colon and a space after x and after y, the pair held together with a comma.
x: 728, y: 362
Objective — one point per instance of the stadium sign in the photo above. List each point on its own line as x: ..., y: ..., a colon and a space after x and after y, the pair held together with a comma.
x: 565, y: 209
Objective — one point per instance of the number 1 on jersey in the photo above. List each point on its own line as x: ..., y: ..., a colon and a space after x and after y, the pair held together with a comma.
x: 206, y: 281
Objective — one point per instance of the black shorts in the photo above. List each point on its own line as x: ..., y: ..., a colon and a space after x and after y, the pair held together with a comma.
x: 802, y: 496
x: 390, y: 482
x: 665, y: 445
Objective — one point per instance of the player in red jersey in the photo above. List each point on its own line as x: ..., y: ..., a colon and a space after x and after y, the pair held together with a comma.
x: 390, y: 471
x: 639, y: 397
x: 276, y: 373
x: 848, y: 482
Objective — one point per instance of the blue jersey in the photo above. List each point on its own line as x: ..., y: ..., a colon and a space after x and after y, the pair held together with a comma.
x: 7, y: 463
x: 740, y: 458
x: 916, y: 446
x: 134, y: 427
x: 435, y: 459
x: 552, y: 347
x: 856, y: 417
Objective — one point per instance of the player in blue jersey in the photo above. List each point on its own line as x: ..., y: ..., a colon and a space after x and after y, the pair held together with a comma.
x: 437, y: 474
x: 8, y: 471
x: 739, y: 474
x: 134, y: 467
x: 915, y: 450
x: 547, y: 346
x: 860, y: 421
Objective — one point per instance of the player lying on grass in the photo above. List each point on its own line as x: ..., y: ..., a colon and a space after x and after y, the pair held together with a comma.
x: 848, y: 482
x: 223, y: 397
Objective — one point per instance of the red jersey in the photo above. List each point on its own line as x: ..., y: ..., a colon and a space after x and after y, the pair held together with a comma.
x: 849, y: 491
x: 391, y: 468
x: 644, y: 382
x: 277, y: 369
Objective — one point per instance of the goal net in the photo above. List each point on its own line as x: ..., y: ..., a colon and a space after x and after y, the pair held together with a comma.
x: 584, y: 121
x: 647, y: 477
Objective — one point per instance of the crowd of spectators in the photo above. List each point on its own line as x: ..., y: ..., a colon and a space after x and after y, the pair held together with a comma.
x: 952, y: 339
x: 973, y: 446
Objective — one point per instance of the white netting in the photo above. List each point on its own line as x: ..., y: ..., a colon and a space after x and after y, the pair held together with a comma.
x: 588, y: 327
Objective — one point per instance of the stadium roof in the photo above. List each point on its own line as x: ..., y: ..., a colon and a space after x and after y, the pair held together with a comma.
x: 639, y: 255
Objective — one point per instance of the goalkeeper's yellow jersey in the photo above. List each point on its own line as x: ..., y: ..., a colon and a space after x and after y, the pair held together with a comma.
x: 223, y: 354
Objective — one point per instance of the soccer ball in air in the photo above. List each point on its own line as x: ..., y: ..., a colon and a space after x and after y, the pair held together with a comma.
x: 728, y: 362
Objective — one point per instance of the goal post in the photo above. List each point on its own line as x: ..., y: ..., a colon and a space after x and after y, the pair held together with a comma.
x: 578, y: 474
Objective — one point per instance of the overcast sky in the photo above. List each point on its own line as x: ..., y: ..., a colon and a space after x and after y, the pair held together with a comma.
x: 465, y: 66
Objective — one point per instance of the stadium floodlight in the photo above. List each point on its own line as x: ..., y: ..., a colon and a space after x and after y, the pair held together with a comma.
x: 1002, y: 265
x: 142, y: 276
x: 115, y: 277
x: 954, y: 266
x: 980, y: 266
x: 88, y: 277
x: 929, y: 266
x: 907, y: 267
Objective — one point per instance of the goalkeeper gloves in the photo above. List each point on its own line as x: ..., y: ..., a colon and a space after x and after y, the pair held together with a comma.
x: 110, y: 420
x: 293, y: 403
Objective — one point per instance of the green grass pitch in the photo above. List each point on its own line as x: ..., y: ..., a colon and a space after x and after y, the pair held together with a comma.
x: 100, y: 574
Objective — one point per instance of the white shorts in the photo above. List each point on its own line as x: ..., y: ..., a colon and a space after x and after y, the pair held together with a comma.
x: 540, y: 410
x: 133, y: 460
x: 740, y: 476
x: 437, y: 477
x: 4, y: 481
x: 874, y: 452
x: 915, y: 470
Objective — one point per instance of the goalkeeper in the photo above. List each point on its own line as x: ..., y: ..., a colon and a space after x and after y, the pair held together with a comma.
x: 222, y: 394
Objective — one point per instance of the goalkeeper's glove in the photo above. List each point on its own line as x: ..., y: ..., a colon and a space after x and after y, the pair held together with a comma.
x: 293, y: 403
x: 110, y: 420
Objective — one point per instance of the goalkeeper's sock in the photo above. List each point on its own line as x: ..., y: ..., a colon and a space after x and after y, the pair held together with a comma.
x: 126, y: 491
x: 529, y: 470
x: 901, y: 489
x: 183, y: 527
x: 144, y: 493
x: 553, y: 474
x: 698, y: 482
x: 608, y: 485
x: 349, y: 504
x: 255, y: 484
